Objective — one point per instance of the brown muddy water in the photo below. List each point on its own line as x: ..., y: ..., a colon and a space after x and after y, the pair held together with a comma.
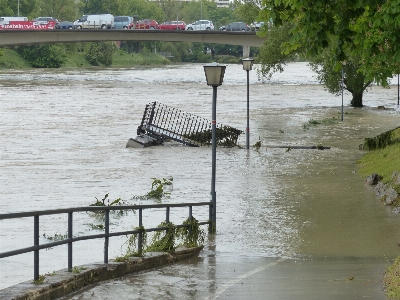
x: 63, y: 139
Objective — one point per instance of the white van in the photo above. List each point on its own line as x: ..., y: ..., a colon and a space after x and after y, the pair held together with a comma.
x: 8, y: 19
x: 105, y: 21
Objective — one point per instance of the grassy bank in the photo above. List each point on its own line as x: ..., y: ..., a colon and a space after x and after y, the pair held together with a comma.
x: 392, y: 280
x: 384, y: 162
x: 10, y: 59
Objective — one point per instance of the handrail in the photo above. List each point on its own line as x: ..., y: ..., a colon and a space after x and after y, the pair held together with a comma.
x: 94, y: 208
x: 106, y: 235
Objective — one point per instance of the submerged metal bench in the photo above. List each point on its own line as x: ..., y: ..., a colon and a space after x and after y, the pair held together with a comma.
x: 161, y: 123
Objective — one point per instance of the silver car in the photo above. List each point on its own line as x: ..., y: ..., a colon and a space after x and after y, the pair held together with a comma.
x: 200, y: 25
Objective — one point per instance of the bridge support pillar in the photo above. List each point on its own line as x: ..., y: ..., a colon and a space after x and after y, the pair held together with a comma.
x: 246, y: 51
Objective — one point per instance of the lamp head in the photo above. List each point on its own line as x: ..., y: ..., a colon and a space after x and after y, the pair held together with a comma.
x: 214, y: 73
x: 247, y: 63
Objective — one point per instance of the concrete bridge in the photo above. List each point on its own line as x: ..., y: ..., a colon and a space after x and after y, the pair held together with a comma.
x: 11, y: 38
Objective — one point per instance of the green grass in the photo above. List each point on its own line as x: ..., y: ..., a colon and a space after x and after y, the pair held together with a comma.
x: 9, y: 59
x: 392, y: 280
x: 123, y: 59
x: 77, y: 60
x: 382, y: 161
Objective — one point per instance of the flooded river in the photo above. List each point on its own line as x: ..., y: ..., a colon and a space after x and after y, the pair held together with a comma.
x: 63, y: 137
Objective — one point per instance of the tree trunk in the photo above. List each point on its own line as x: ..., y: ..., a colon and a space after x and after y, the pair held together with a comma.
x: 357, y: 100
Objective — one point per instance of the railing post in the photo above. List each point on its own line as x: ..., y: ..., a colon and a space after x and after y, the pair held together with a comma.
x: 107, y: 232
x: 167, y: 214
x: 210, y: 226
x: 140, y: 234
x: 190, y: 220
x: 36, y: 252
x: 70, y: 243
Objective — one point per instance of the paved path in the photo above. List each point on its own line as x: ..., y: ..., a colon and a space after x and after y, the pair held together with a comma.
x: 214, y: 275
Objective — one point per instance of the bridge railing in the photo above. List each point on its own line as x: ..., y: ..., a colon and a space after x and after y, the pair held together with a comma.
x: 106, y: 235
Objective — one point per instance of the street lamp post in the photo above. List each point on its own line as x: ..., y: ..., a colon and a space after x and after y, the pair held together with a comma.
x: 247, y: 66
x: 214, y: 76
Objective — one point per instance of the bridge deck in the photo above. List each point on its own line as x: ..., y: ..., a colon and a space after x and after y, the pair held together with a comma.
x: 9, y: 38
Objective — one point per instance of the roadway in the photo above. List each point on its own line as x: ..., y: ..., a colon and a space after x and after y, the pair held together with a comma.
x: 11, y: 38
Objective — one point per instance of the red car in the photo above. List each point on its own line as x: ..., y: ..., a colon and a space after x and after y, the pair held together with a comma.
x: 146, y: 24
x: 173, y: 25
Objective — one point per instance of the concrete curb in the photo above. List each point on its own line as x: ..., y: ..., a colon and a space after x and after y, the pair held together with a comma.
x: 62, y: 282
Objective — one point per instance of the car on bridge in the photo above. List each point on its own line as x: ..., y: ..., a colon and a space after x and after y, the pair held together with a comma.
x: 46, y: 19
x: 200, y: 25
x: 103, y: 21
x: 65, y: 25
x: 173, y: 25
x: 256, y: 26
x: 123, y: 22
x: 146, y: 24
x: 235, y: 26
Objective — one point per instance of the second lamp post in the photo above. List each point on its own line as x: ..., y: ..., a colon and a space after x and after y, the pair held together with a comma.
x: 247, y: 66
x: 214, y: 76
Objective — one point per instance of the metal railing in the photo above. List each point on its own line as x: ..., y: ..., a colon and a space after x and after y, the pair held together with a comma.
x: 164, y: 122
x: 106, y: 235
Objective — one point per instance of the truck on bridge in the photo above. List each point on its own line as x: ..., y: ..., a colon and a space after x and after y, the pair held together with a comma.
x: 104, y: 21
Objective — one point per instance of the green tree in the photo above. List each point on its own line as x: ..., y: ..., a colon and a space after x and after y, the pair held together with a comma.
x: 101, y: 53
x: 172, y: 9
x: 44, y: 56
x: 364, y: 28
x: 273, y: 58
x: 59, y: 9
x: 5, y: 9
x: 25, y: 7
x: 145, y: 10
x: 248, y: 11
x: 354, y: 81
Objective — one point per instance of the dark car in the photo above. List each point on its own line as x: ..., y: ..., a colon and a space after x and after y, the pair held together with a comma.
x: 235, y: 26
x: 65, y: 25
x: 146, y: 24
x: 172, y: 25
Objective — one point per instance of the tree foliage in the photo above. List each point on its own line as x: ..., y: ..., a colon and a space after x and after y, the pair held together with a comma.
x: 44, y: 56
x: 353, y: 81
x: 101, y: 53
x: 60, y: 9
x: 272, y: 56
x: 365, y: 28
x: 248, y: 11
x: 273, y: 59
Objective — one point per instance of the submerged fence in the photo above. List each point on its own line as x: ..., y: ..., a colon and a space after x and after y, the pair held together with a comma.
x: 164, y: 122
x: 106, y: 235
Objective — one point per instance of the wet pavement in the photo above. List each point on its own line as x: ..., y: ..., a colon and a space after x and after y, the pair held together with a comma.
x: 245, y: 277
